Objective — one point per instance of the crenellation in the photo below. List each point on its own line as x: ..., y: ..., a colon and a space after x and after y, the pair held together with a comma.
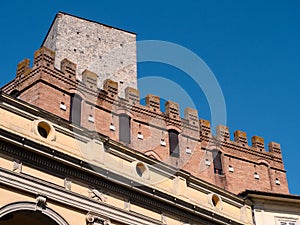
x: 172, y: 110
x: 153, y: 102
x: 68, y: 68
x: 240, y: 137
x: 133, y: 95
x: 23, y: 67
x: 223, y: 133
x: 192, y: 116
x: 258, y: 143
x: 90, y: 80
x: 44, y: 56
x: 111, y: 87
x: 192, y: 130
x: 274, y: 148
x: 205, y: 129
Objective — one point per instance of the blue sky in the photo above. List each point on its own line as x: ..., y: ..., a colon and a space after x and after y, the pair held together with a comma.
x: 252, y: 47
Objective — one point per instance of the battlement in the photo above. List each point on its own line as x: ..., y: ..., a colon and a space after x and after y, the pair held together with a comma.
x: 240, y: 137
x: 23, y: 68
x: 133, y: 95
x: 68, y: 68
x: 101, y: 107
x: 44, y: 57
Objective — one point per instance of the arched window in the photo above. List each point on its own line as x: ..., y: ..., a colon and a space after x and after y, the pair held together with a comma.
x: 27, y: 213
x: 124, y: 128
x: 217, y: 162
x: 75, y: 113
x: 174, y: 143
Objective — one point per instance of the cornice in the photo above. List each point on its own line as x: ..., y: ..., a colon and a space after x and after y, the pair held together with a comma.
x: 52, y: 192
x: 62, y: 165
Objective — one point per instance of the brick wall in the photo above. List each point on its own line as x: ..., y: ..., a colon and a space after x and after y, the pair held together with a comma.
x: 49, y: 87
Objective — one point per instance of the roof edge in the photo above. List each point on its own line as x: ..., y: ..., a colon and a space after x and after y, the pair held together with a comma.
x: 255, y: 193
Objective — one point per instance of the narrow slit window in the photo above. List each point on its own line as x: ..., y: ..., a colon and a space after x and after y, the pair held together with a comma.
x: 218, y: 169
x: 75, y: 114
x: 174, y: 143
x: 124, y: 130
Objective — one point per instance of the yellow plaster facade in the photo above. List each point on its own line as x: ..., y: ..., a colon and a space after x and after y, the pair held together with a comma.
x: 101, y: 154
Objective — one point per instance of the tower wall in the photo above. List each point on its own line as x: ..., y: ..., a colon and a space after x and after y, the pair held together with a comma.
x: 109, y: 52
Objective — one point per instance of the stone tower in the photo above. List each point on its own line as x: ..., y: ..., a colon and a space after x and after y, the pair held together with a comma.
x: 107, y: 51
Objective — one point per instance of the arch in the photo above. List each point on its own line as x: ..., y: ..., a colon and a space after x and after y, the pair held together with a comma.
x: 263, y: 162
x: 211, y: 146
x: 171, y: 127
x: 45, y: 213
x: 153, y: 155
x: 123, y: 111
x: 76, y: 92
